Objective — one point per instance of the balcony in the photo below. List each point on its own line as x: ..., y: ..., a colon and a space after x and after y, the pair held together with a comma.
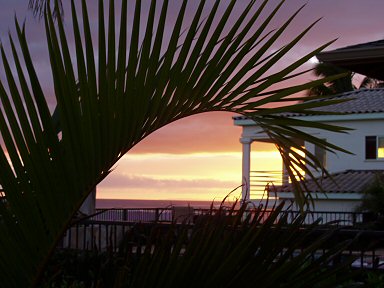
x: 259, y: 180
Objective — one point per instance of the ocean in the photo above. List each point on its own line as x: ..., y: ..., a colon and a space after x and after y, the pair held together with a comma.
x: 118, y: 203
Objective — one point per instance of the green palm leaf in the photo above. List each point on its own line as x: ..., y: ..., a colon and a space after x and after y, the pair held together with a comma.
x: 141, y: 84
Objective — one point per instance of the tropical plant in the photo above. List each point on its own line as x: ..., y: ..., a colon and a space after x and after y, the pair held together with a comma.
x: 375, y: 279
x: 340, y: 85
x: 140, y: 84
x: 224, y: 248
x: 373, y: 197
x: 371, y: 83
x: 37, y: 6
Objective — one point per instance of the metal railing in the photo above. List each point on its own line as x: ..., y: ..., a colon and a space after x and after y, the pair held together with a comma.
x: 95, y: 235
x: 107, y: 227
x: 154, y: 215
x: 260, y: 179
x: 134, y: 214
x: 368, y: 248
x: 340, y: 219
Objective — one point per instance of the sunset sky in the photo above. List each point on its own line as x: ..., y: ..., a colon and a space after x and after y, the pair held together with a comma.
x: 200, y: 157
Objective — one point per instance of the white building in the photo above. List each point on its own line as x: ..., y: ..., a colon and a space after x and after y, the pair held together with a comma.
x: 364, y: 114
x: 352, y: 173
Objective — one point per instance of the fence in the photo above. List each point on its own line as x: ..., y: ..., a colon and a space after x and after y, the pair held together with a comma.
x: 92, y: 234
x: 106, y: 236
x: 341, y: 219
x: 134, y: 214
x: 154, y: 215
x: 107, y: 227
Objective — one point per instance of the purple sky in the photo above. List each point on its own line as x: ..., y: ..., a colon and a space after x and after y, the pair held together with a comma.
x: 351, y: 21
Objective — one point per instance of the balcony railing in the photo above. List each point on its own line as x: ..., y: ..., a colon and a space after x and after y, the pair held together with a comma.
x: 166, y: 215
x: 134, y: 214
x: 260, y: 179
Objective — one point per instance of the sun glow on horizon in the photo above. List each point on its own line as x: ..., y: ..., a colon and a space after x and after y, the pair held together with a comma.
x: 192, y: 176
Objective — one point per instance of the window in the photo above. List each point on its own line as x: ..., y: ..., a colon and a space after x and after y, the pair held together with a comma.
x: 380, y: 147
x: 374, y: 147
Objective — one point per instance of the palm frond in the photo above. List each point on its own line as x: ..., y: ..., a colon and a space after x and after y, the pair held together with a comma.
x: 38, y: 6
x: 209, y: 64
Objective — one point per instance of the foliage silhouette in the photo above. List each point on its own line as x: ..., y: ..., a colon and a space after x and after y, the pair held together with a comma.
x: 110, y: 98
x: 228, y: 247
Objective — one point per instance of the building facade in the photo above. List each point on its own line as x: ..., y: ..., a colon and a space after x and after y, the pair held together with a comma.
x: 363, y: 114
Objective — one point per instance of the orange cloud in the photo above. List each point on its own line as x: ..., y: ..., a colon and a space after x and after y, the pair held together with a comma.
x: 208, y: 132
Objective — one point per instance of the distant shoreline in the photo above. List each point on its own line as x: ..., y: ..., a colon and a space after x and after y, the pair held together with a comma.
x: 137, y: 203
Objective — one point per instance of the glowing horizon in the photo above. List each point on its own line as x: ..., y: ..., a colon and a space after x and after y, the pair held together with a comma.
x: 190, y: 176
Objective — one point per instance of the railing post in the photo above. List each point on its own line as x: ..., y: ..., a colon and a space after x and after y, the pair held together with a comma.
x: 125, y: 215
x: 157, y: 215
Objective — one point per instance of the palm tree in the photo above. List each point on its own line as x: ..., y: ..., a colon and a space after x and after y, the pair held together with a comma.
x: 106, y: 109
x: 373, y: 199
x: 371, y: 83
x: 340, y: 85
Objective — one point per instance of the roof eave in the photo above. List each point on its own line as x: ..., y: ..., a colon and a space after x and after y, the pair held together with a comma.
x: 366, y: 61
x: 346, y: 55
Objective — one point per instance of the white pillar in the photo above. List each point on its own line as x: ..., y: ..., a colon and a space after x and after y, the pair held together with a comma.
x: 285, y: 176
x: 246, y: 167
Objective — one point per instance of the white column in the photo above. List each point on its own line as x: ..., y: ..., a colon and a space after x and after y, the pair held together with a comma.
x: 246, y: 167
